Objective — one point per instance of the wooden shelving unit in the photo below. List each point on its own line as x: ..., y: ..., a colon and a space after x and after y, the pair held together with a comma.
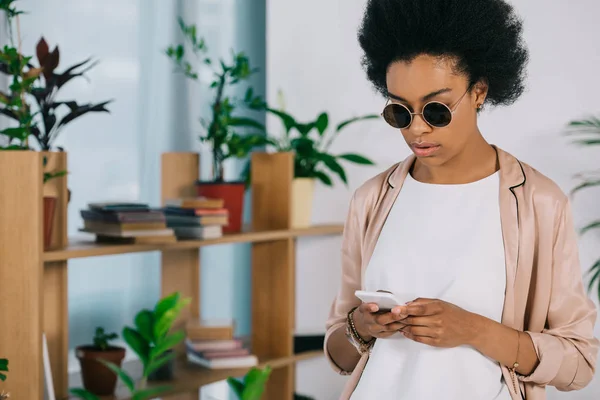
x: 33, y: 290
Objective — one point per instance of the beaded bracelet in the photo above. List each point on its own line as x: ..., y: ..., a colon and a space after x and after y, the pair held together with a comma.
x: 353, y: 336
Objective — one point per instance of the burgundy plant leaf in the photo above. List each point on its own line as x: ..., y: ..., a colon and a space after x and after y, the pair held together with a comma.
x: 41, y: 51
x: 51, y: 62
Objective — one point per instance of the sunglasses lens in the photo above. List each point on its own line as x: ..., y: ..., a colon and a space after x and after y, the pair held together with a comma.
x: 396, y: 115
x: 437, y: 114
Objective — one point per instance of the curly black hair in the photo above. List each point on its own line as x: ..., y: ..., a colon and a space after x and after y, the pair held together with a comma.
x: 482, y: 36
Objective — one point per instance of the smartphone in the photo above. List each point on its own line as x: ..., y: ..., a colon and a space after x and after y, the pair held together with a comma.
x: 384, y: 300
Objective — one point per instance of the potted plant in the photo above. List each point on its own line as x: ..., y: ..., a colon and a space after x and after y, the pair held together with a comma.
x: 313, y: 160
x: 96, y: 377
x: 3, y: 369
x: 49, y: 204
x: 153, y: 343
x: 225, y: 131
x: 22, y: 77
x: 589, y: 128
x: 252, y: 386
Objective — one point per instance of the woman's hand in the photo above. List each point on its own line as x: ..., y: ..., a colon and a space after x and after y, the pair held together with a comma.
x: 440, y: 324
x: 370, y: 322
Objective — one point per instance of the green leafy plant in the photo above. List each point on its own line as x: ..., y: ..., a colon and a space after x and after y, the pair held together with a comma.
x: 311, y: 142
x: 102, y: 339
x: 21, y: 79
x: 51, y: 175
x: 152, y: 341
x: 252, y: 386
x: 587, y: 131
x: 225, y: 130
x: 3, y: 368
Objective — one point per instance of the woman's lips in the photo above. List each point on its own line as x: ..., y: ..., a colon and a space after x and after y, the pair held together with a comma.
x: 424, y: 149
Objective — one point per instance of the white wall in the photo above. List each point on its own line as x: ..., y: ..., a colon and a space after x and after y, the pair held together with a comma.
x: 313, y: 56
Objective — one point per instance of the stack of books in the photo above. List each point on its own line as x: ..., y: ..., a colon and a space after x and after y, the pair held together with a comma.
x: 116, y: 222
x: 212, y: 344
x: 196, y: 217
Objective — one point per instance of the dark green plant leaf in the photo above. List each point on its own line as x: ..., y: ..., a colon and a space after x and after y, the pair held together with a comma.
x: 333, y: 165
x: 305, y: 129
x: 158, y: 362
x: 146, y: 394
x: 2, y: 377
x: 593, y: 225
x: 322, y: 123
x: 236, y: 386
x: 3, y: 364
x: 137, y: 343
x: 83, y: 394
x: 304, y: 146
x: 595, y: 279
x: 323, y: 178
x: 357, y: 159
x: 164, y: 323
x: 585, y: 185
x: 588, y: 142
x: 254, y: 383
x: 165, y: 304
x: 246, y: 122
x: 166, y: 343
x: 288, y: 121
x: 144, y: 322
x: 125, y: 378
x: 350, y: 121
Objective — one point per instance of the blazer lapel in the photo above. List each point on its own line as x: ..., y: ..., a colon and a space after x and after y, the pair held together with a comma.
x: 511, y: 179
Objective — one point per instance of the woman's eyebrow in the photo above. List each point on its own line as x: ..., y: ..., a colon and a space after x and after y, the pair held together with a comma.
x: 424, y: 98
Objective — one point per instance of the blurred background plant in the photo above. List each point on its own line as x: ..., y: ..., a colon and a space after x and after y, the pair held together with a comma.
x: 226, y: 131
x: 40, y: 84
x: 587, y: 133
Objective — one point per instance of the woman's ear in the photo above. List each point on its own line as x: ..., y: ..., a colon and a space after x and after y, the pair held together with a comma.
x: 480, y: 90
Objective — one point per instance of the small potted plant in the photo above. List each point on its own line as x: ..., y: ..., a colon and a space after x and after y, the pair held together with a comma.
x: 49, y: 204
x: 153, y: 342
x: 313, y: 160
x: 97, y: 378
x: 252, y: 386
x: 229, y: 134
x: 3, y: 369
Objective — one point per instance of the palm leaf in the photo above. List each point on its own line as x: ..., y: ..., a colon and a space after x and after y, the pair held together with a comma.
x: 357, y: 159
x: 593, y: 225
x: 344, y: 124
x: 584, y: 185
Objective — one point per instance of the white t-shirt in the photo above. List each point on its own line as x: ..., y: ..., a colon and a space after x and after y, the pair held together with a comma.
x: 442, y: 242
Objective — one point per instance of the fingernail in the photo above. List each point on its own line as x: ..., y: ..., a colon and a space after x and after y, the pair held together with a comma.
x: 374, y: 308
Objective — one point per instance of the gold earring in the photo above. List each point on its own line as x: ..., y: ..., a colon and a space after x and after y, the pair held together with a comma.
x: 479, y: 106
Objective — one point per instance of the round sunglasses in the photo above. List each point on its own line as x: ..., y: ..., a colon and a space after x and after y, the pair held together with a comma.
x: 435, y: 114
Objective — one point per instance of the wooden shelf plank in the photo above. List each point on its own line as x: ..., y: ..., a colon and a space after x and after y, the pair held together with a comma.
x: 190, y: 377
x: 88, y: 248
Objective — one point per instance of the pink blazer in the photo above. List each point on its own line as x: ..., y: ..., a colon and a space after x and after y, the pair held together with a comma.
x: 545, y: 296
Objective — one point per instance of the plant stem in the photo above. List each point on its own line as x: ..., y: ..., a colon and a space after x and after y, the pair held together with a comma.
x: 214, y: 129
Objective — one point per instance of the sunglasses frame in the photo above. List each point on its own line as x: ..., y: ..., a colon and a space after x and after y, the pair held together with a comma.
x: 452, y: 110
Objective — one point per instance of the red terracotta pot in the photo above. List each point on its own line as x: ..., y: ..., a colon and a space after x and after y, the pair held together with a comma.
x: 232, y: 194
x: 97, y: 378
x: 49, y: 209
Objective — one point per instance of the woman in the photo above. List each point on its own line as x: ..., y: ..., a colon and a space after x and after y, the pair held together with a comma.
x: 482, y: 243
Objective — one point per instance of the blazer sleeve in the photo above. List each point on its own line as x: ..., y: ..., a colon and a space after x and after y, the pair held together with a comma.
x: 350, y: 278
x: 567, y: 349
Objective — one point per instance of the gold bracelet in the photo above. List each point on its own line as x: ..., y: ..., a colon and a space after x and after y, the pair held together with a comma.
x: 516, y: 364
